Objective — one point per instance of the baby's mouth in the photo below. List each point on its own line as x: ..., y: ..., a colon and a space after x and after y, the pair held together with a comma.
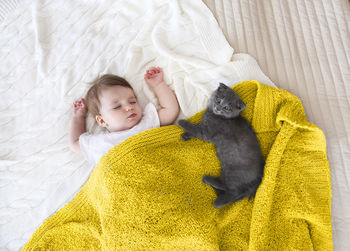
x: 133, y: 115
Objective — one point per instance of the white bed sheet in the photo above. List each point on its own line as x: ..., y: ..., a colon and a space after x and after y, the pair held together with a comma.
x: 304, y: 47
x: 50, y: 50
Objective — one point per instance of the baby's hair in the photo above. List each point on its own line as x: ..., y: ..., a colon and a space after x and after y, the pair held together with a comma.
x: 92, y: 97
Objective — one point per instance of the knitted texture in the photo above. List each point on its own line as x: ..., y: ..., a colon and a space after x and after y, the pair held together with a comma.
x: 146, y: 193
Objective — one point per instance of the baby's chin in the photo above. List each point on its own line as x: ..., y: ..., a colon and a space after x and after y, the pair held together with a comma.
x: 134, y: 121
x: 131, y: 122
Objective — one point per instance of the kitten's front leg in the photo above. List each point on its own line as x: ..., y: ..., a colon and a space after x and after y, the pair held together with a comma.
x: 191, y: 130
x: 186, y: 136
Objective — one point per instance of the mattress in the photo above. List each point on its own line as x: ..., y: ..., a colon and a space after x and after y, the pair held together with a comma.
x: 302, y: 46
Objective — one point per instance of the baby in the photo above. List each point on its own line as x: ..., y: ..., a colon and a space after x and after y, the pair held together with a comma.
x: 112, y: 101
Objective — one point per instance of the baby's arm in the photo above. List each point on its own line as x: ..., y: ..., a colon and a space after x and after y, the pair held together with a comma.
x: 166, y: 97
x: 77, y: 124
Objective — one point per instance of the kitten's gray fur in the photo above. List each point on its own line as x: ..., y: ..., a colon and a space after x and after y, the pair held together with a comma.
x: 237, y: 148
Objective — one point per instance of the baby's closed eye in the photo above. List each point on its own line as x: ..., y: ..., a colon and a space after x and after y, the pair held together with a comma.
x: 119, y: 106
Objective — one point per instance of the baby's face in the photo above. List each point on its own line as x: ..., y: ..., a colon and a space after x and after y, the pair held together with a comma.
x: 119, y: 108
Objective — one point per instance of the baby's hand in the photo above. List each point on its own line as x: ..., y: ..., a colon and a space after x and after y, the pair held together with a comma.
x: 79, y: 108
x: 154, y: 76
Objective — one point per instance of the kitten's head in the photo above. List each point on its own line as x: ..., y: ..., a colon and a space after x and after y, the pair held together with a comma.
x: 225, y: 102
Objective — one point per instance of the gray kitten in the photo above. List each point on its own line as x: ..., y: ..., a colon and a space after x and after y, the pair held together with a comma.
x: 237, y: 148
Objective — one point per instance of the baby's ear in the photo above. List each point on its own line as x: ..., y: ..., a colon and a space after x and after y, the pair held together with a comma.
x: 100, y: 121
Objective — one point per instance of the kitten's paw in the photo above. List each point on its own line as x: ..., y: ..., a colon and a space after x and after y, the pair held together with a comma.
x: 221, y: 201
x: 214, y: 182
x: 206, y: 179
x: 186, y: 136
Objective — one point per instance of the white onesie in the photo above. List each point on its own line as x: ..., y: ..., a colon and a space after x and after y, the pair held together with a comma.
x: 94, y: 146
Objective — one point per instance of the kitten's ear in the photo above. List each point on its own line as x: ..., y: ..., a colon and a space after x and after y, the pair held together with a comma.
x: 222, y: 85
x: 241, y: 105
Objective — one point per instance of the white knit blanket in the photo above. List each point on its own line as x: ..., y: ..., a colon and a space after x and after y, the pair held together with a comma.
x: 50, y: 50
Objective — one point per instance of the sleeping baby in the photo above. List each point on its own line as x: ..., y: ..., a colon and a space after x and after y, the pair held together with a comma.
x: 112, y: 101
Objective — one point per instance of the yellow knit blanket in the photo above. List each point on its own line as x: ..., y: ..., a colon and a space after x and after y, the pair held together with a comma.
x: 147, y: 194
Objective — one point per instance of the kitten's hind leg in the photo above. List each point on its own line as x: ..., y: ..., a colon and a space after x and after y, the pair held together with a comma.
x: 230, y: 196
x: 218, y: 191
x: 222, y: 200
x: 214, y: 182
x: 218, y: 186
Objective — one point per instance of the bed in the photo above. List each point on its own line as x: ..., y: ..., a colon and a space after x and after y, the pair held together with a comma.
x: 50, y: 51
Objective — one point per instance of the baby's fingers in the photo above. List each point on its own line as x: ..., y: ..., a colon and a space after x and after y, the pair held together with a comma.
x: 147, y: 76
x: 154, y: 70
x: 79, y: 103
x: 157, y: 70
